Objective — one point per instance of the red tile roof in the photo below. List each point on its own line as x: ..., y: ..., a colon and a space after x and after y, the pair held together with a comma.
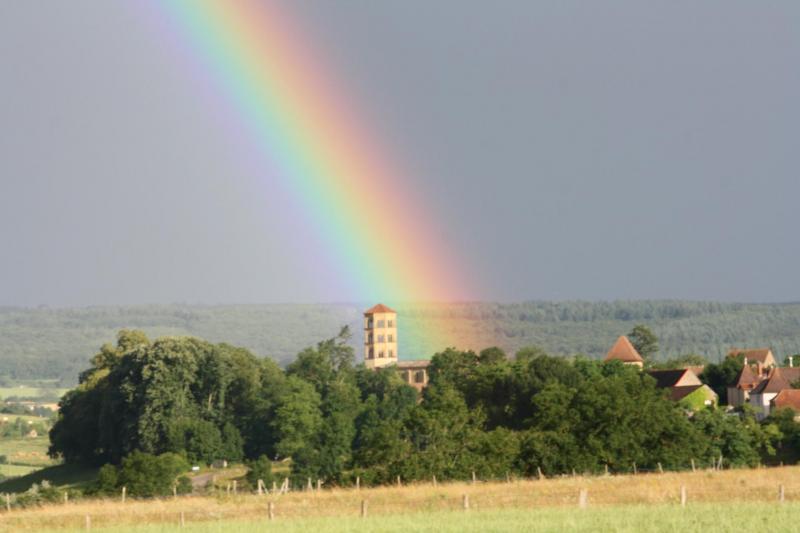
x: 787, y: 398
x: 624, y: 351
x: 380, y: 308
x: 747, y: 380
x: 774, y: 383
x: 754, y: 355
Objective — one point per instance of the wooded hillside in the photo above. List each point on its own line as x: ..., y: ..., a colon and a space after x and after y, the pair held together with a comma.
x: 58, y: 343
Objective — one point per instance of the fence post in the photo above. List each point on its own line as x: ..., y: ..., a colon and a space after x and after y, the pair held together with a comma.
x: 474, y: 479
x: 583, y: 498
x: 465, y: 501
x: 539, y: 470
x: 434, y: 480
x: 573, y: 473
x: 364, y: 508
x: 235, y: 485
x: 175, y: 490
x: 260, y: 487
x: 634, y: 469
x: 183, y: 519
x: 693, y: 468
x: 8, y: 502
x: 508, y: 478
x: 660, y: 470
x: 781, y: 493
x: 319, y: 485
x: 399, y: 483
x: 309, y: 486
x: 606, y: 468
x: 124, y: 493
x: 88, y: 523
x: 683, y: 495
x: 358, y: 482
x: 66, y: 496
x: 271, y: 510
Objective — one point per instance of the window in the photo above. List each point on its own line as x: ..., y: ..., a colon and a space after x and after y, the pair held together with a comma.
x: 369, y: 338
x: 380, y: 354
x: 390, y: 323
x: 369, y: 323
x: 391, y: 353
x: 420, y: 376
x: 371, y: 354
x: 380, y: 323
x: 380, y: 338
x: 390, y: 338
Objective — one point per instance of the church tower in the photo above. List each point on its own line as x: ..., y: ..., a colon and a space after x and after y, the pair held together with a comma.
x: 380, y: 336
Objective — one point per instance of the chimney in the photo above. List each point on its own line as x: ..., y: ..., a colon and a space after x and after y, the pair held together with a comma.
x: 759, y: 368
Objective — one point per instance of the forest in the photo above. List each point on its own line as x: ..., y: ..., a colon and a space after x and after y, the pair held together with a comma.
x: 186, y: 399
x: 55, y: 344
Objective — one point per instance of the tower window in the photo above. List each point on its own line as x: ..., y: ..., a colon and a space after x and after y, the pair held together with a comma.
x: 369, y: 323
x: 380, y: 338
x: 391, y: 353
x: 390, y: 338
x: 371, y: 353
x: 390, y: 323
x: 380, y: 354
x: 380, y: 323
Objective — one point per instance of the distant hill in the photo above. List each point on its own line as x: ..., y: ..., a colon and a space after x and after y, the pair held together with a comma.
x: 47, y: 343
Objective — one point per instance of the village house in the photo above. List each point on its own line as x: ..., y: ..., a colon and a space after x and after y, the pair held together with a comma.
x: 760, y: 379
x: 787, y: 398
x: 684, y: 387
x: 624, y: 351
x: 380, y: 347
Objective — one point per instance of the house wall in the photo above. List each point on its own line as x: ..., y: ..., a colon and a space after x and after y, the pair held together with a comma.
x: 380, y: 340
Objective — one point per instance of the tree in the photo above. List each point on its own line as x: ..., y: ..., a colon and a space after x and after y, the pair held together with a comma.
x: 723, y: 375
x: 148, y: 475
x: 644, y: 340
x: 261, y: 469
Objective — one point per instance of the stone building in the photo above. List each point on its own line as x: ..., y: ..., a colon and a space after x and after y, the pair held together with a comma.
x: 380, y: 346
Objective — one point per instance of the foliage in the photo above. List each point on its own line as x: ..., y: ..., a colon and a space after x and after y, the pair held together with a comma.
x: 644, y: 341
x: 144, y: 403
x: 261, y: 469
x: 723, y: 375
x: 147, y: 475
x: 56, y: 343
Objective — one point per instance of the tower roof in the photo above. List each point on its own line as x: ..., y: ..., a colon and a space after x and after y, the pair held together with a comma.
x: 624, y: 351
x: 380, y: 308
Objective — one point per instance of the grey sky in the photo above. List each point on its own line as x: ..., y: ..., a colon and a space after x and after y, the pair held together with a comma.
x: 572, y: 150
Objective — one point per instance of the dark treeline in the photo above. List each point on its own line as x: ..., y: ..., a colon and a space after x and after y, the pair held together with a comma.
x: 481, y: 412
x: 54, y: 343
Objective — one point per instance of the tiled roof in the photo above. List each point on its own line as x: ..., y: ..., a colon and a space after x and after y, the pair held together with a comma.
x: 746, y: 379
x: 679, y: 393
x: 787, y: 398
x: 380, y: 308
x: 774, y: 383
x: 667, y: 378
x: 624, y: 351
x: 754, y: 355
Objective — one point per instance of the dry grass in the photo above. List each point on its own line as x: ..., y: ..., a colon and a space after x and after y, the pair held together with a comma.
x: 732, y: 486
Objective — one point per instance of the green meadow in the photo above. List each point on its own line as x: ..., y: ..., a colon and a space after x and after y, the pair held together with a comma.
x: 707, y: 518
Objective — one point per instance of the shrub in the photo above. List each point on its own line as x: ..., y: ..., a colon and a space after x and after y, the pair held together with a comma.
x: 148, y: 475
x: 261, y: 469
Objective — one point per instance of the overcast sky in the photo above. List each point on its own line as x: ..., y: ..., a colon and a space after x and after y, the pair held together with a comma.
x: 571, y: 150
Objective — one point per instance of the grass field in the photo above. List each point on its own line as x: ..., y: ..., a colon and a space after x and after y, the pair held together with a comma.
x: 23, y: 391
x: 707, y: 518
x: 27, y: 451
x: 717, y: 501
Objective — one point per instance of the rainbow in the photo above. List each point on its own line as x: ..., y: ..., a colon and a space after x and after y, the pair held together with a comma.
x: 377, y: 231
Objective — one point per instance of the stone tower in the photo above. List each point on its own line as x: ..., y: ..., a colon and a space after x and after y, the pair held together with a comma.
x: 380, y: 336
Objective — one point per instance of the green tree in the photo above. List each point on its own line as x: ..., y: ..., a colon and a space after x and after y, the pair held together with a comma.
x: 261, y: 469
x: 644, y: 340
x: 147, y: 475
